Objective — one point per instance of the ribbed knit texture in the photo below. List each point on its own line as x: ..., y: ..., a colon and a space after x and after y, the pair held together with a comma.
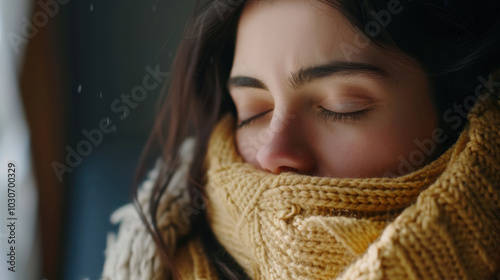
x: 292, y: 226
x: 439, y: 222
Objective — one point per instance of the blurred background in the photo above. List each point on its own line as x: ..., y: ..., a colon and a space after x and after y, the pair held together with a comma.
x: 79, y: 81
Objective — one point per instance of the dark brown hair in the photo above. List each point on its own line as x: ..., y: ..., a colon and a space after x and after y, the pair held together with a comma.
x: 453, y: 41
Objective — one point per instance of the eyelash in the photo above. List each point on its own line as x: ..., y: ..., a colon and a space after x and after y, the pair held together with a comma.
x: 341, y: 117
x: 327, y: 114
x: 250, y: 120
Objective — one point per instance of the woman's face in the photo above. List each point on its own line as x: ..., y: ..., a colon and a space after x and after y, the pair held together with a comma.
x: 313, y: 97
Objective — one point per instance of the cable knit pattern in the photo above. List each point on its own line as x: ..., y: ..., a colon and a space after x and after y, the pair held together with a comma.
x: 133, y: 254
x: 439, y: 222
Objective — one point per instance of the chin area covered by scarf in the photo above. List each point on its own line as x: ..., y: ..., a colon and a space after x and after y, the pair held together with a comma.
x: 439, y: 222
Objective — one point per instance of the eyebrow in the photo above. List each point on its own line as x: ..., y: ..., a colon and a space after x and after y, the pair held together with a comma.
x: 308, y: 74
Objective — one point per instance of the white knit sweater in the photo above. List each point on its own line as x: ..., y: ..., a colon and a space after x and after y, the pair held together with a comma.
x: 132, y: 253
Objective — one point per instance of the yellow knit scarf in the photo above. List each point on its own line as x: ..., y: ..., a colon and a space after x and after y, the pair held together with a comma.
x: 440, y: 222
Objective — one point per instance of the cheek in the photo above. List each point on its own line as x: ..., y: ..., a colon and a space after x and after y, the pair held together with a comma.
x: 248, y: 143
x: 356, y: 155
x: 366, y: 153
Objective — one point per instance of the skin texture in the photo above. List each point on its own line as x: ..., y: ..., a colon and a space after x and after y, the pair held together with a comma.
x: 289, y: 130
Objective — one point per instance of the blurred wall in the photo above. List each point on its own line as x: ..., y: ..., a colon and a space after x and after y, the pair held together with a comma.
x: 78, y: 63
x: 112, y: 47
x: 19, y: 234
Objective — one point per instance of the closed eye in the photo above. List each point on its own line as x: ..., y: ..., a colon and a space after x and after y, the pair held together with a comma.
x: 324, y: 113
x: 341, y: 117
x: 250, y: 120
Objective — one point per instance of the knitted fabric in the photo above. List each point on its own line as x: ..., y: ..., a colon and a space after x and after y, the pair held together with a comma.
x: 133, y: 254
x: 439, y: 222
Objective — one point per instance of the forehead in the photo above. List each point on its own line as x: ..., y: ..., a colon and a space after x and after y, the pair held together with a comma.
x: 289, y: 34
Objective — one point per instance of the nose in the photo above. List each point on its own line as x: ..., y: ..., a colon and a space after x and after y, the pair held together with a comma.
x: 286, y: 148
